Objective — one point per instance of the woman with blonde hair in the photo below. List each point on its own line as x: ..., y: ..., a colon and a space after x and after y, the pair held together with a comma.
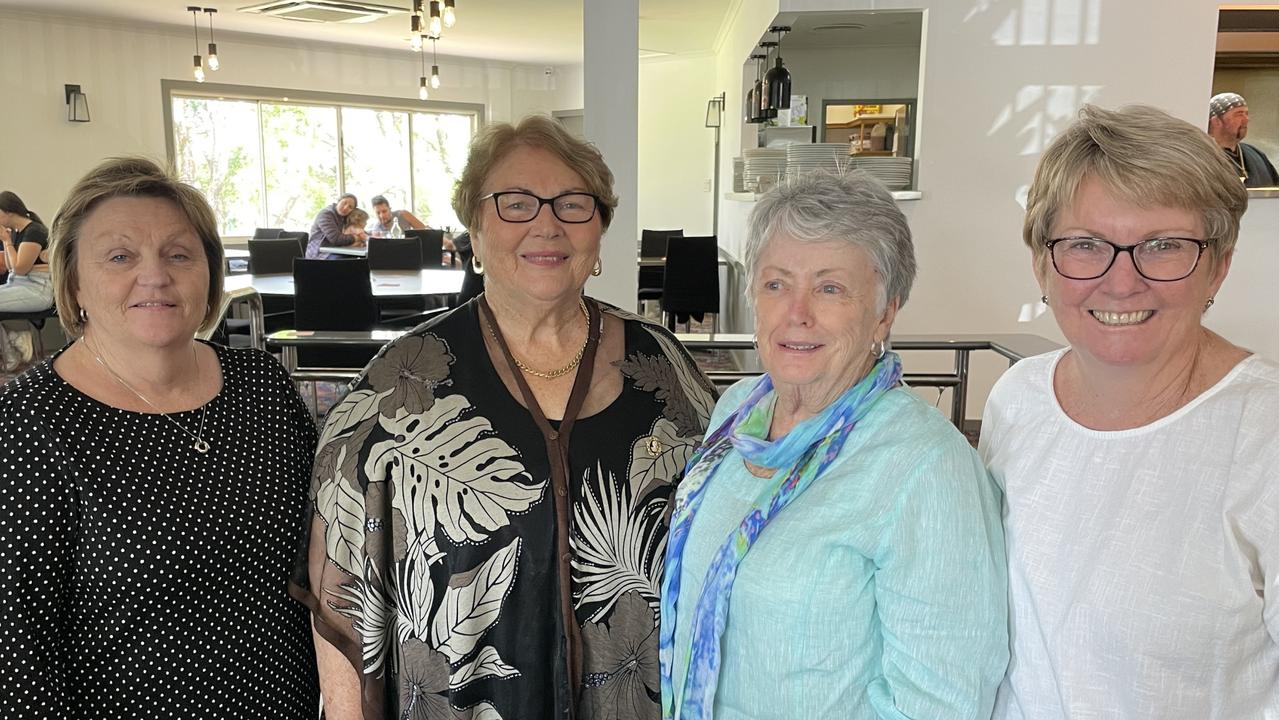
x: 1138, y: 463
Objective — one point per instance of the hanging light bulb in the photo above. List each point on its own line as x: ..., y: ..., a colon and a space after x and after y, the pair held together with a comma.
x: 415, y: 42
x: 778, y: 77
x: 435, y: 65
x: 213, y: 47
x: 436, y: 25
x: 422, y: 93
x: 450, y: 15
x: 198, y: 63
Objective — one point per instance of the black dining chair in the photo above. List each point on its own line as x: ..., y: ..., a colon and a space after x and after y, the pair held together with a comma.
x: 691, y: 283
x: 395, y: 253
x: 267, y: 233
x: 273, y: 257
x: 301, y: 236
x: 333, y: 296
x: 652, y: 246
x: 267, y: 257
x: 431, y: 243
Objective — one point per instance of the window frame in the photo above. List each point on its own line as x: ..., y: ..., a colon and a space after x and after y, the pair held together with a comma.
x: 171, y: 89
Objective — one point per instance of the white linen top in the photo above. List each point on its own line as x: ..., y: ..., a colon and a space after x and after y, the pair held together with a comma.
x: 1143, y: 564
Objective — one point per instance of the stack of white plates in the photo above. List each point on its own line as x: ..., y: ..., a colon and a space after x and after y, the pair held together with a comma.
x: 892, y: 171
x: 763, y: 167
x: 815, y: 156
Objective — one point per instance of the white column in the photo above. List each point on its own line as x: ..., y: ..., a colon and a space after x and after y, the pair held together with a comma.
x: 611, y: 121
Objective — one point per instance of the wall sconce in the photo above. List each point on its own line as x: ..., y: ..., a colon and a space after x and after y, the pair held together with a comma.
x: 715, y: 111
x: 77, y: 104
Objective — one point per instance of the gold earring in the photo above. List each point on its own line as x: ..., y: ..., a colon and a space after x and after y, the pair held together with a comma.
x: 1043, y: 299
x: 597, y: 269
x: 1209, y: 303
x: 476, y: 265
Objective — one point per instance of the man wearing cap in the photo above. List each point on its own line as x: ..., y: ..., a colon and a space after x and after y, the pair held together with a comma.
x: 1228, y: 124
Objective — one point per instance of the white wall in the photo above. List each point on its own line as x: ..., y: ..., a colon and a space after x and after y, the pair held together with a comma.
x: 999, y: 80
x: 120, y: 67
x: 677, y: 150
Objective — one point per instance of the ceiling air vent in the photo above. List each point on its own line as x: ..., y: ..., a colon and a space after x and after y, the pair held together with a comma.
x: 323, y: 11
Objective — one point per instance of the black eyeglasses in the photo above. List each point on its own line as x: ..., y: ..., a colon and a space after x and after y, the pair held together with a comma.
x: 521, y: 207
x: 1162, y: 259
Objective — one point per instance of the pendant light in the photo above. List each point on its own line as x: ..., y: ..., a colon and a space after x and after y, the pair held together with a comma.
x: 450, y: 14
x: 422, y: 92
x: 778, y: 77
x: 752, y: 94
x: 415, y: 26
x: 766, y: 110
x: 198, y: 65
x: 759, y: 88
x: 435, y: 65
x: 213, y: 47
x: 436, y: 26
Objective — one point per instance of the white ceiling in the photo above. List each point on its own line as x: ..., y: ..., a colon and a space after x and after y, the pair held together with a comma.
x: 525, y: 31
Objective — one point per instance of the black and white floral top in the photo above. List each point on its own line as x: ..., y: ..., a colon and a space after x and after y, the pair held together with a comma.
x: 441, y: 578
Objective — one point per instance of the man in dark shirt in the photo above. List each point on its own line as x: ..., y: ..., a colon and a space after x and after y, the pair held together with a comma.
x: 1228, y: 124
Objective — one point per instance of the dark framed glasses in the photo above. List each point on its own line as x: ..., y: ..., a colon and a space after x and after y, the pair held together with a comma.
x: 1162, y: 259
x: 520, y: 207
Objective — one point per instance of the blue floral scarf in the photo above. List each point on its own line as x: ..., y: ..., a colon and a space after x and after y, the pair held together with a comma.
x: 806, y: 451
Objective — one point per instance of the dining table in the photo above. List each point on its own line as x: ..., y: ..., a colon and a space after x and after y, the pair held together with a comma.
x: 386, y: 283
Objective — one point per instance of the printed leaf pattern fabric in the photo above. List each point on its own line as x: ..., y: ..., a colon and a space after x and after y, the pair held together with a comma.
x: 432, y: 489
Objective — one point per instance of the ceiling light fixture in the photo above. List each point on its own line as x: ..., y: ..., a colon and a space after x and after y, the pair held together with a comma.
x: 752, y: 95
x: 198, y: 64
x: 766, y: 110
x: 213, y: 47
x: 778, y: 77
x: 422, y: 93
x: 436, y: 25
x: 450, y: 14
x: 435, y: 65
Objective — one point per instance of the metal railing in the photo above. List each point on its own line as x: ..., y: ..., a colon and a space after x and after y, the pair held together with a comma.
x: 1013, y: 347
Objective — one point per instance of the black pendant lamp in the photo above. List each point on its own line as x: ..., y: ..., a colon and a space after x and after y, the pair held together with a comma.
x: 778, y: 77
x: 766, y: 110
x: 753, y: 114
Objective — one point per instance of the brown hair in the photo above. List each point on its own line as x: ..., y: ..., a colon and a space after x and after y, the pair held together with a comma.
x: 127, y: 177
x: 1144, y: 156
x: 496, y: 141
x: 357, y: 218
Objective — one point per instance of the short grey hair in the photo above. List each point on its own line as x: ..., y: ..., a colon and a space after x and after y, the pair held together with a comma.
x: 853, y: 207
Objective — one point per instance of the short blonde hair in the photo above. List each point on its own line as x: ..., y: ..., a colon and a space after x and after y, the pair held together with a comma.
x: 127, y: 177
x: 357, y: 218
x: 496, y: 141
x: 1145, y: 157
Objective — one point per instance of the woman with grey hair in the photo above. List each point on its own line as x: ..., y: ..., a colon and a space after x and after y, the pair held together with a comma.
x: 835, y: 547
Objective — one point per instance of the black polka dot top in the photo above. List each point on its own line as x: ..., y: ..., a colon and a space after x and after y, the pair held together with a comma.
x: 141, y: 579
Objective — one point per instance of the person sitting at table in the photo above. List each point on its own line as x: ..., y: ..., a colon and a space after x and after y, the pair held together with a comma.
x: 328, y: 225
x: 152, y: 484
x: 385, y: 219
x: 491, y: 497
x: 355, y: 227
x: 25, y: 239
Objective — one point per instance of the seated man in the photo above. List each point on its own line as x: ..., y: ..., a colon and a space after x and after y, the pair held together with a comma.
x: 385, y: 218
x: 1228, y: 124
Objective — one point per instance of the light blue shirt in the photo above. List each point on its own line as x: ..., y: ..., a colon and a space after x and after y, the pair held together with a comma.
x: 880, y: 592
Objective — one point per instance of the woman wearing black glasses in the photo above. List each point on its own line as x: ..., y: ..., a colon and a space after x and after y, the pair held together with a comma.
x: 1141, y: 463
x: 491, y: 498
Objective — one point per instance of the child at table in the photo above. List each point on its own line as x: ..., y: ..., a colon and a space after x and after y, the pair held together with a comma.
x: 355, y: 222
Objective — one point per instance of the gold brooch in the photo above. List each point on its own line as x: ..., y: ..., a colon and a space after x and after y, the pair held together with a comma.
x: 654, y: 446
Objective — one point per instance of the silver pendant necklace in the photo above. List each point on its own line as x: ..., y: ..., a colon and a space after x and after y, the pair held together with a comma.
x: 201, y: 445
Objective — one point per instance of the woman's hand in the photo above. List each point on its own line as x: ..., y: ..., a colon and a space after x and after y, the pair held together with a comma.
x: 6, y: 237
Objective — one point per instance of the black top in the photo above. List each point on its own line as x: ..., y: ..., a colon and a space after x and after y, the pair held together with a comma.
x: 34, y: 232
x: 141, y: 579
x: 435, y: 486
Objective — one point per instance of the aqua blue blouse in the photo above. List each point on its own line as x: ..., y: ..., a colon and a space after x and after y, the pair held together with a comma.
x: 881, y: 592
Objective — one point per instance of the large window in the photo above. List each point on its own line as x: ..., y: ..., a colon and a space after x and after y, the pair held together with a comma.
x: 273, y: 163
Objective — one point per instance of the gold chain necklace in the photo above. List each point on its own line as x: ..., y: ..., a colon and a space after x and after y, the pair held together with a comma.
x: 559, y: 372
x: 1237, y: 156
x: 201, y: 445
